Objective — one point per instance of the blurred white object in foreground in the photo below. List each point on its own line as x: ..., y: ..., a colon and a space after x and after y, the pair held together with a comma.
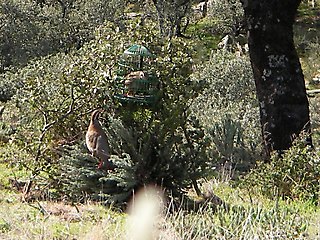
x: 145, y: 212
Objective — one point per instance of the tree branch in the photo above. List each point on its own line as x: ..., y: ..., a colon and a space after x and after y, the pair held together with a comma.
x: 47, y: 126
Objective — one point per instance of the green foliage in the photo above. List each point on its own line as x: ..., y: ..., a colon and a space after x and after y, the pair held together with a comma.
x: 207, y: 114
x: 32, y: 30
x: 203, y: 41
x: 144, y: 139
x: 295, y: 175
x: 171, y: 156
x: 76, y: 177
x: 227, y: 137
x: 171, y: 14
x: 54, y: 99
x: 163, y: 145
x: 228, y: 108
x: 54, y: 92
x: 227, y: 15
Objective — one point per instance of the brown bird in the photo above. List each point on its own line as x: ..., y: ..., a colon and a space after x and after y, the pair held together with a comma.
x: 132, y: 83
x: 97, y: 142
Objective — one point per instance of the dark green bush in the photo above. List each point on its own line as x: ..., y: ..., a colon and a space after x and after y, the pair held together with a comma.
x: 295, y: 174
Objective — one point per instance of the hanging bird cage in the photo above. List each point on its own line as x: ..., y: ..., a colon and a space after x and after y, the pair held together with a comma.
x: 135, y: 79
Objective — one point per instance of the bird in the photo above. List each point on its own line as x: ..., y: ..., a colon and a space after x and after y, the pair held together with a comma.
x: 132, y: 82
x: 97, y: 143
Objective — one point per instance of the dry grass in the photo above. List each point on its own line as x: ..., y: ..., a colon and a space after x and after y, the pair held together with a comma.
x: 53, y: 220
x: 248, y: 217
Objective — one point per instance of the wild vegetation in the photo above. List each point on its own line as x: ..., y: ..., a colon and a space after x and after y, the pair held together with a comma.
x: 200, y: 143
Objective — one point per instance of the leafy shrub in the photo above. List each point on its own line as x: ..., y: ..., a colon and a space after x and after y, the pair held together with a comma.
x: 54, y: 99
x: 226, y: 14
x: 295, y: 174
x: 228, y: 108
x: 161, y: 155
x: 227, y: 136
x: 163, y: 145
x: 172, y: 156
x: 31, y: 30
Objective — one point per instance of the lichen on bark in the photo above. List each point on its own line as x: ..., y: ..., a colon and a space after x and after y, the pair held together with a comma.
x: 284, y: 107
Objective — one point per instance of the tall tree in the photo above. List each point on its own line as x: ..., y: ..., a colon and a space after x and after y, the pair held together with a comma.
x: 284, y: 107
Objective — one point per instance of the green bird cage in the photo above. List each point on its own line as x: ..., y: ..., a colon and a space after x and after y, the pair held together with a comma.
x: 135, y: 79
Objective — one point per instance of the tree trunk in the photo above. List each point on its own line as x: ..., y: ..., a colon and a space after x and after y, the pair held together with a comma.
x: 284, y: 107
x: 170, y: 15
